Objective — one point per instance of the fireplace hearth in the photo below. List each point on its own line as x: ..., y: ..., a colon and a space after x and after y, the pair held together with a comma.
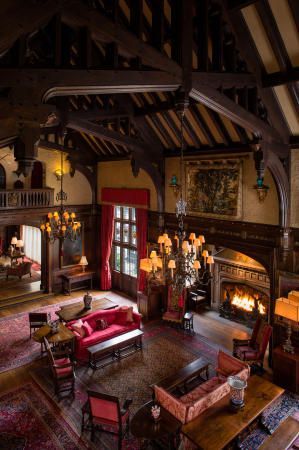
x: 242, y: 303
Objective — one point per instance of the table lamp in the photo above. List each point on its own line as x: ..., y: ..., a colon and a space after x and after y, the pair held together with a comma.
x: 20, y: 245
x: 83, y: 262
x: 289, y: 309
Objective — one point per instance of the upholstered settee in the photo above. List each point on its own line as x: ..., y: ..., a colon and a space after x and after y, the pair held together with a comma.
x: 116, y: 322
x: 191, y: 405
x: 19, y: 270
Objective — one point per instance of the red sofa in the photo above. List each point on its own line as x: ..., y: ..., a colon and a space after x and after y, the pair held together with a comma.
x: 116, y: 326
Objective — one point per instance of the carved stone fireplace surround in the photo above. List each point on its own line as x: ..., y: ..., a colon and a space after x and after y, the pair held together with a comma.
x: 233, y: 270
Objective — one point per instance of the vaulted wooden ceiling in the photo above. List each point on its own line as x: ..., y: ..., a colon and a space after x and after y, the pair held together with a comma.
x: 107, y: 72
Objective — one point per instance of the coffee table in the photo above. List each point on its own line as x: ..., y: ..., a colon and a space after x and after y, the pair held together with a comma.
x: 77, y: 311
x: 182, y: 376
x: 144, y: 428
x: 117, y: 347
x: 219, y: 425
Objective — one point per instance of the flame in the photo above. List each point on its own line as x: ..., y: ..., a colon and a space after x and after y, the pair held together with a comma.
x: 247, y: 302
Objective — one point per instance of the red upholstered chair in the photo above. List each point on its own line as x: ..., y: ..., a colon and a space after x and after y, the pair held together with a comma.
x: 253, y: 350
x: 62, y: 369
x: 176, y: 306
x: 104, y: 410
x: 20, y: 270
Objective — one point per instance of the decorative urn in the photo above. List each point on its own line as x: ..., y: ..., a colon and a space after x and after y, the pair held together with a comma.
x: 237, y: 388
x: 87, y: 300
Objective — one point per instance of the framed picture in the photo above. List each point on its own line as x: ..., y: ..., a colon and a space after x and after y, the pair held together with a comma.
x: 71, y: 251
x: 287, y: 282
x: 214, y: 188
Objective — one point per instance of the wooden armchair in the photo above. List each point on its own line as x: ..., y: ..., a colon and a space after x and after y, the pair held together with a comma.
x: 37, y: 320
x: 253, y: 350
x: 104, y: 410
x: 62, y: 369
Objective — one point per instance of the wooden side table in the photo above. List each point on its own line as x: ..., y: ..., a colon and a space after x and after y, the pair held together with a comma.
x: 188, y: 322
x: 286, y: 369
x: 68, y: 280
x: 144, y: 428
x: 63, y: 337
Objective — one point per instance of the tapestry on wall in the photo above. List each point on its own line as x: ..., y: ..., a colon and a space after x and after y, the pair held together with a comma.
x: 214, y: 188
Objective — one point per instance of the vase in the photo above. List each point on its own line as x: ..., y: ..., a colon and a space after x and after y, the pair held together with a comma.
x: 87, y: 300
x: 237, y: 389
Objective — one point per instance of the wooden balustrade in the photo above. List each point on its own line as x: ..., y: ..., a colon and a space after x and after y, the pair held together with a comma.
x: 26, y: 198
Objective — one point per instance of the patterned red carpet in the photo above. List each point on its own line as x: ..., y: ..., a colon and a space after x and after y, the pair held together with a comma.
x: 30, y: 420
x: 16, y: 348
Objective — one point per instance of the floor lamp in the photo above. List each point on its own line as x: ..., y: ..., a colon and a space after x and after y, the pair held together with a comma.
x: 289, y: 309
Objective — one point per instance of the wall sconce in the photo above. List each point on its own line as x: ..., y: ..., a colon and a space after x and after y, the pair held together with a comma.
x: 174, y: 185
x: 58, y: 173
x: 261, y: 190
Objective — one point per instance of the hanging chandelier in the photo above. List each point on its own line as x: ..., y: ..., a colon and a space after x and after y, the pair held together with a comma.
x: 183, y: 261
x: 61, y: 224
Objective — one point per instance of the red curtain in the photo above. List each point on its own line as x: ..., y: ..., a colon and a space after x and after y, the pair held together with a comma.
x: 129, y: 197
x: 107, y: 225
x: 141, y: 225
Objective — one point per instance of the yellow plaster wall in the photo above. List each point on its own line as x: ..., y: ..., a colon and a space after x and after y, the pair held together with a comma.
x: 77, y: 188
x: 118, y: 174
x: 252, y: 211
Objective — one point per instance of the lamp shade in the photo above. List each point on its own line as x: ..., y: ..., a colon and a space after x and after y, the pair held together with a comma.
x: 202, y: 239
x: 14, y: 240
x: 161, y: 239
x: 205, y: 253
x: 153, y: 254
x: 287, y: 308
x: 145, y: 264
x: 210, y: 260
x: 192, y: 236
x: 196, y: 264
x: 167, y: 242
x: 83, y: 261
x: 171, y: 264
x: 20, y: 243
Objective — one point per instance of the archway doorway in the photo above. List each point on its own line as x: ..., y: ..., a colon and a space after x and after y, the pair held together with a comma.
x: 20, y: 261
x: 37, y: 175
x: 2, y: 177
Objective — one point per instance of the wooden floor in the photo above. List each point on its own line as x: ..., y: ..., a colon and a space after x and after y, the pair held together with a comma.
x: 19, y: 289
x: 207, y: 323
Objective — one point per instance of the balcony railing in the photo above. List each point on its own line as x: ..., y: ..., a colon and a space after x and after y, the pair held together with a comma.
x: 26, y: 198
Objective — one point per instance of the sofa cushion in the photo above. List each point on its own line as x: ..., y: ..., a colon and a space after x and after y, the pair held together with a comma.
x: 101, y: 324
x: 228, y: 365
x: 78, y: 326
x: 102, y: 335
x: 121, y: 317
x: 87, y: 328
x: 129, y: 311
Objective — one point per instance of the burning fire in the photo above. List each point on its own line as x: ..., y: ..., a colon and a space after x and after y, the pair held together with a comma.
x: 247, y: 302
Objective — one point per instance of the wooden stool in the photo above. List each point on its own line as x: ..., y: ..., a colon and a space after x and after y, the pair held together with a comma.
x: 188, y: 322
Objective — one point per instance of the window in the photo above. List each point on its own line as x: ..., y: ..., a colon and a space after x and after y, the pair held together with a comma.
x: 124, y: 251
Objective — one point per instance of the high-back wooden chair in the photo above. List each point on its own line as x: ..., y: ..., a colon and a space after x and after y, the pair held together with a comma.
x: 253, y: 350
x: 103, y: 409
x: 62, y: 370
x: 37, y: 320
x: 176, y: 307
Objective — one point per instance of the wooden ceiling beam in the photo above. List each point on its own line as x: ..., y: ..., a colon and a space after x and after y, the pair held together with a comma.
x: 246, y: 45
x: 218, y: 149
x: 239, y: 4
x: 224, y: 80
x: 104, y: 30
x: 20, y: 18
x: 222, y: 104
x: 108, y: 135
x: 97, y: 114
x: 277, y: 78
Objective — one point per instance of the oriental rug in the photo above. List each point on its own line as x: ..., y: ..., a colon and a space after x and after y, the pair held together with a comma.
x: 30, y: 420
x: 16, y: 347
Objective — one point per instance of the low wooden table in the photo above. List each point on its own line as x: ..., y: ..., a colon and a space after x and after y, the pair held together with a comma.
x: 144, y: 428
x: 218, y: 426
x: 182, y: 376
x: 76, y: 310
x: 68, y: 280
x: 117, y: 347
x: 62, y: 337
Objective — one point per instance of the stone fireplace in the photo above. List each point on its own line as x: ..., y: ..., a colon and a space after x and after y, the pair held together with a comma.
x: 240, y: 289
